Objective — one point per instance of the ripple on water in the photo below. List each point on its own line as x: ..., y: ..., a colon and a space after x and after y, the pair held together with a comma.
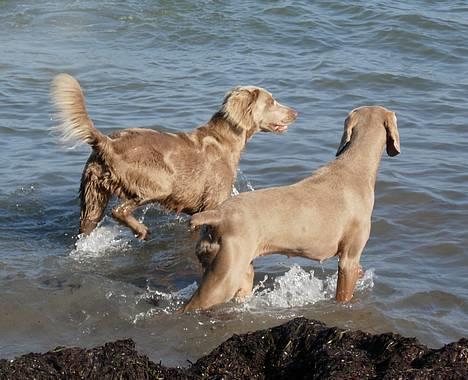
x: 167, y: 65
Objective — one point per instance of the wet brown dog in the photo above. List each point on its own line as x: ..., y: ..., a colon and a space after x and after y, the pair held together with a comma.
x: 325, y: 215
x: 184, y: 172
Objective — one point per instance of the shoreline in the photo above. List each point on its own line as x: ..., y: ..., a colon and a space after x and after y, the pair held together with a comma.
x: 299, y: 348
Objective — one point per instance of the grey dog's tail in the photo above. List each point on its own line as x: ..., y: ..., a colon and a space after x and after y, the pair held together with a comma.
x: 71, y: 111
x: 210, y: 217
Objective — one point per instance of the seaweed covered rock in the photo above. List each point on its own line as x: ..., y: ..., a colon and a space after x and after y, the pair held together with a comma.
x: 298, y: 349
x: 115, y: 360
x: 305, y: 349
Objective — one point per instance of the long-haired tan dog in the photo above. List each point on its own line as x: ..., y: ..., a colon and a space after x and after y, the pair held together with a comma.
x: 184, y: 172
x: 325, y: 215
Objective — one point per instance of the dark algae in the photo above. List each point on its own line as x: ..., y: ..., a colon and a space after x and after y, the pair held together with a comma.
x: 298, y: 349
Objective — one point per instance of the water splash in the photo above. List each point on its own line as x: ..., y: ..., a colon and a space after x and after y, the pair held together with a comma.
x: 294, y: 289
x: 109, y: 237
x: 241, y: 185
x: 167, y: 303
x: 297, y: 288
x: 103, y: 240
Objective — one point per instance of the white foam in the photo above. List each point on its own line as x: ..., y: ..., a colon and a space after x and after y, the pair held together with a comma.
x: 167, y: 302
x: 294, y: 289
x: 241, y: 185
x: 297, y: 288
x: 106, y: 238
x: 103, y: 240
x: 145, y: 315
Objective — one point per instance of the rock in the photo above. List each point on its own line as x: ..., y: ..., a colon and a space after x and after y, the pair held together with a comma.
x: 115, y: 360
x: 298, y: 349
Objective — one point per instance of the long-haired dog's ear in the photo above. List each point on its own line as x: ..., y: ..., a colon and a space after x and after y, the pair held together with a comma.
x: 349, y: 124
x: 237, y: 106
x: 393, y: 137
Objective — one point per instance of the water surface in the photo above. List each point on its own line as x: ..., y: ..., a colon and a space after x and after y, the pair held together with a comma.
x: 166, y: 65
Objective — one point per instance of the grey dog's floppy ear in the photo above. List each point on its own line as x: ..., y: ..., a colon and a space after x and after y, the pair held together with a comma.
x: 237, y: 106
x: 393, y: 137
x: 349, y: 124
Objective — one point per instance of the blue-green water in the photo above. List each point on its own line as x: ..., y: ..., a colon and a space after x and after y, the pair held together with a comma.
x: 166, y: 65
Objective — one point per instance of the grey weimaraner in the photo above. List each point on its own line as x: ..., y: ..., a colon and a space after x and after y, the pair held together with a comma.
x: 325, y: 215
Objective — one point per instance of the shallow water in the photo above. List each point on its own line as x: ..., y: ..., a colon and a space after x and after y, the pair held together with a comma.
x: 166, y: 65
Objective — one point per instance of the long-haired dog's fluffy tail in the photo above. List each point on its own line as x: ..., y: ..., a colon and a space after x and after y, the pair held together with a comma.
x: 210, y: 217
x: 71, y: 112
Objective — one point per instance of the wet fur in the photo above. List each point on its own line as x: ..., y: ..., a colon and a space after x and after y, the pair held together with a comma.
x: 183, y: 172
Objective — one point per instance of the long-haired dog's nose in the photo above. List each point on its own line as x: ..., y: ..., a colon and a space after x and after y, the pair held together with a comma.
x: 293, y: 114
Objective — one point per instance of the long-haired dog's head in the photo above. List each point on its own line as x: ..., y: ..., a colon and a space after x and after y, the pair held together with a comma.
x: 254, y: 109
